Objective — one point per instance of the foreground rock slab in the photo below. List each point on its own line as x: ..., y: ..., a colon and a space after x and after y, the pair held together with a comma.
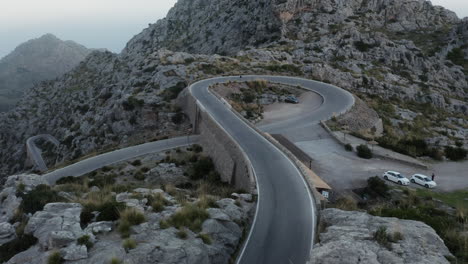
x: 349, y: 238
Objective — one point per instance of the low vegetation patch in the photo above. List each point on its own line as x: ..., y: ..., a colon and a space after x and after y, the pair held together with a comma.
x: 36, y: 199
x: 420, y: 205
x: 192, y: 216
x: 20, y: 244
x: 55, y: 258
x: 205, y: 238
x: 85, y: 240
x: 129, y: 244
x: 364, y: 152
x: 128, y: 218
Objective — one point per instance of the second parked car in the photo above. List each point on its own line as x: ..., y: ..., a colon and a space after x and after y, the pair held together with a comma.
x: 423, y: 180
x: 396, y: 177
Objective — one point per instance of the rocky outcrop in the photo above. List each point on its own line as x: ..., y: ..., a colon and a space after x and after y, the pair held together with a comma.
x: 37, y: 60
x: 349, y: 238
x: 208, y: 27
x: 58, y: 229
x: 57, y: 226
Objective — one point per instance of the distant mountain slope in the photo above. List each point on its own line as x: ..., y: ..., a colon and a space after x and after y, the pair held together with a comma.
x: 34, y: 61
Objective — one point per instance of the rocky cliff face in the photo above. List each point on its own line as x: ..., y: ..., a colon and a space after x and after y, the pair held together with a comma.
x: 400, y: 50
x: 37, y: 60
x: 354, y: 237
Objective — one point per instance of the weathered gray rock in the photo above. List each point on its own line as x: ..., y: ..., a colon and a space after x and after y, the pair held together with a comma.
x: 33, y: 255
x: 28, y: 181
x: 7, y: 233
x: 229, y: 207
x: 225, y: 233
x: 166, y: 173
x: 348, y: 238
x: 9, y: 202
x: 99, y: 227
x: 74, y: 252
x: 57, y: 225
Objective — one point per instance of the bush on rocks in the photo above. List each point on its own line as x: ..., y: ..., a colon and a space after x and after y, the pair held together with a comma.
x: 36, y: 199
x: 191, y: 216
x: 377, y: 187
x: 455, y: 154
x: 55, y: 258
x: 348, y: 147
x: 364, y: 152
x: 19, y: 244
x: 201, y: 168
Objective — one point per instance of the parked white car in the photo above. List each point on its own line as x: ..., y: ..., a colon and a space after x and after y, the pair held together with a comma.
x: 423, y: 180
x: 396, y: 177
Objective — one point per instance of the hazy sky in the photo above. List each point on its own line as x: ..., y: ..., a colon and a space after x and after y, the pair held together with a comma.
x: 97, y: 23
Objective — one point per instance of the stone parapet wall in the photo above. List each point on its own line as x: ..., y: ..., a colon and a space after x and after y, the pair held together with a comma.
x: 229, y: 159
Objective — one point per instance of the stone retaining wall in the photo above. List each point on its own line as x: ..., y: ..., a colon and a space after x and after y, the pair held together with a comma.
x: 229, y: 159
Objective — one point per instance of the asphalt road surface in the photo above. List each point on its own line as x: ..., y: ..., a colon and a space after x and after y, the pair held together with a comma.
x: 35, y: 153
x: 97, y: 162
x: 284, y: 224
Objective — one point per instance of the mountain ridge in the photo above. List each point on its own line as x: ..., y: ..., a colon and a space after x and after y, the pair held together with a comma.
x: 36, y: 60
x: 404, y: 52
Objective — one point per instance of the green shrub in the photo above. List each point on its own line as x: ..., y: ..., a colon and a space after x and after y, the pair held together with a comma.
x: 174, y: 91
x: 36, y: 199
x: 139, y: 176
x: 163, y: 224
x: 201, y: 168
x: 191, y: 216
x: 131, y: 103
x: 182, y: 233
x: 364, y: 152
x: 128, y: 218
x: 136, y: 163
x: 124, y: 228
x: 133, y: 216
x: 257, y: 85
x: 158, y: 202
x: 115, y: 261
x: 206, y: 238
x: 177, y: 118
x: 55, y: 258
x: 382, y: 237
x: 19, y: 244
x: 455, y: 154
x: 348, y: 147
x: 197, y: 148
x: 363, y: 47
x: 84, y: 240
x: 377, y: 187
x: 70, y: 180
x: 284, y: 68
x: 457, y: 56
x: 129, y: 244
x: 108, y: 211
x: 102, y: 180
x: 346, y: 204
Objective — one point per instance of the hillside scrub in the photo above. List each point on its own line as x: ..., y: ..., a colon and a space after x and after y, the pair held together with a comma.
x: 420, y: 205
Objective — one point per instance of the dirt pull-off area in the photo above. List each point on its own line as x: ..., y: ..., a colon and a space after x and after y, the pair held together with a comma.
x: 279, y: 111
x: 263, y: 102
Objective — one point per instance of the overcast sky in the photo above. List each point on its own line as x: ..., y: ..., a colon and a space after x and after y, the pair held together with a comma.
x: 97, y: 23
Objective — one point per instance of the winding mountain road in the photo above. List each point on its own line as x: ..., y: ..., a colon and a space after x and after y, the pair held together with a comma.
x: 88, y: 165
x: 285, y: 220
x: 284, y: 224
